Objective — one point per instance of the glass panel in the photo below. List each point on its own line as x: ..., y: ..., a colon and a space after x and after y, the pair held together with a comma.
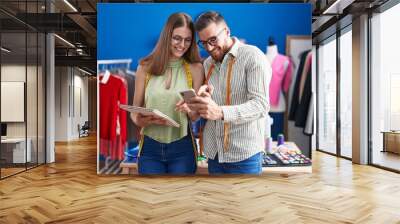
x: 385, y: 84
x: 16, y: 8
x: 327, y: 97
x: 22, y: 77
x: 346, y: 94
x: 31, y: 86
x: 13, y: 86
x: 41, y: 99
x: 31, y: 97
x: 77, y: 110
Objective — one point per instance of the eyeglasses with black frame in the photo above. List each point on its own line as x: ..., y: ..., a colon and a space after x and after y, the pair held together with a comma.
x: 212, y: 41
x: 176, y: 39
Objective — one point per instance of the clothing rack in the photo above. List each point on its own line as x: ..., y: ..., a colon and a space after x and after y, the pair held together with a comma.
x: 126, y: 62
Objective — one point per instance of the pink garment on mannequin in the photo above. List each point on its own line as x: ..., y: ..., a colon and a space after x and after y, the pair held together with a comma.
x: 281, y: 78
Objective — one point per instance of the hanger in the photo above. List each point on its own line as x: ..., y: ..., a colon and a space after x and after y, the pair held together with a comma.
x: 106, y: 77
x: 130, y: 72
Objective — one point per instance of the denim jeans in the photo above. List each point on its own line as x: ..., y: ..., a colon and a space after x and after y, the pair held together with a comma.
x: 252, y: 165
x: 173, y: 158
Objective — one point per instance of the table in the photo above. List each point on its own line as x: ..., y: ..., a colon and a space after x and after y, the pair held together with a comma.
x: 131, y: 168
x: 391, y: 141
x: 13, y: 150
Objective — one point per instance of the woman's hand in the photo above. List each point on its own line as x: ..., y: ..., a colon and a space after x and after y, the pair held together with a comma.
x: 144, y: 121
x: 181, y: 106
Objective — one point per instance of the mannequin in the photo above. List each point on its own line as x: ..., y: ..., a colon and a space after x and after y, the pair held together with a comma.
x: 280, y: 83
x: 272, y: 49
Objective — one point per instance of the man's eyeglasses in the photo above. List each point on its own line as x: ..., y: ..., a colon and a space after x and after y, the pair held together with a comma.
x: 212, y: 41
x: 178, y: 39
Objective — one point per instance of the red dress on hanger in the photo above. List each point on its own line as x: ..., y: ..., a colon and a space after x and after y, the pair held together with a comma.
x: 113, y: 120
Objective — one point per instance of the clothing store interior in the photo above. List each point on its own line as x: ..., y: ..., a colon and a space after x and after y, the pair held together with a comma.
x: 287, y: 47
x: 333, y: 119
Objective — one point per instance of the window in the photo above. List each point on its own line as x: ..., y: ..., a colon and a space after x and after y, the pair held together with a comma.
x: 346, y: 93
x: 385, y: 88
x: 22, y: 75
x: 327, y: 96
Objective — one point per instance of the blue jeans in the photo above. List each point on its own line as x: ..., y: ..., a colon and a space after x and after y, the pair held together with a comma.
x: 252, y: 165
x: 173, y: 158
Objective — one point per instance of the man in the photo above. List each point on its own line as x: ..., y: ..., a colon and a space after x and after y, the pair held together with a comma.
x: 235, y: 99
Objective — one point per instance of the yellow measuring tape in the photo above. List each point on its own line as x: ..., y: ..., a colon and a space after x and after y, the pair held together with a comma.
x: 227, y: 102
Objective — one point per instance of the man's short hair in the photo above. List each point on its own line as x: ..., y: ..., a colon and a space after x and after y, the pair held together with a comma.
x: 206, y: 19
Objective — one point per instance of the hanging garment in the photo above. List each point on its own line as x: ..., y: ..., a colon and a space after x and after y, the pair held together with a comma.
x: 132, y: 129
x: 281, y: 78
x: 295, y: 97
x: 309, y: 128
x: 306, y: 68
x: 112, y: 119
x: 303, y: 107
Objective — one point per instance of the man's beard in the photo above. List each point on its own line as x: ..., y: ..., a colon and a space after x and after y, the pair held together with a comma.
x: 220, y: 55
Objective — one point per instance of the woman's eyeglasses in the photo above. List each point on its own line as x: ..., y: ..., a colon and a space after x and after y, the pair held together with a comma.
x: 178, y: 39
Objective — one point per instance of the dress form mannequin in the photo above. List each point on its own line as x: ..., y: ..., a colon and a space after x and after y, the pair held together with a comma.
x: 272, y: 52
x: 280, y: 72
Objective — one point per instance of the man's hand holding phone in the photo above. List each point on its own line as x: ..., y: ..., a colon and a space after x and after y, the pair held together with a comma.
x: 204, y: 105
x: 205, y: 91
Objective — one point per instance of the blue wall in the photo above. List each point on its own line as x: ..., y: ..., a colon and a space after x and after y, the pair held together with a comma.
x: 131, y: 30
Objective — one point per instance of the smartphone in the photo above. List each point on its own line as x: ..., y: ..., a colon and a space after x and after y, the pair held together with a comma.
x: 187, y: 94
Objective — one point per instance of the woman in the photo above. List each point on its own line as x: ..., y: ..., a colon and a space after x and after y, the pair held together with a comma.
x: 173, y: 66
